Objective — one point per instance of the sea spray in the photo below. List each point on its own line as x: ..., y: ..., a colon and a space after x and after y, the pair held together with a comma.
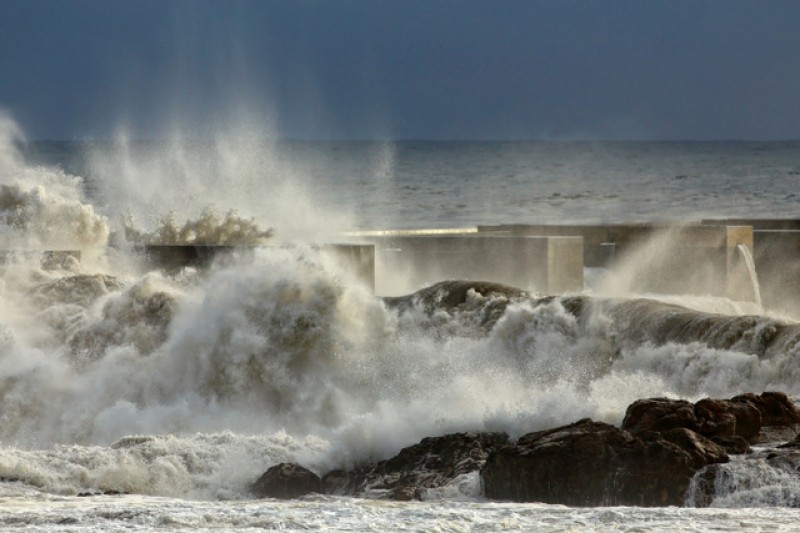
x: 179, y: 182
x: 283, y: 342
x: 207, y: 229
x: 43, y: 208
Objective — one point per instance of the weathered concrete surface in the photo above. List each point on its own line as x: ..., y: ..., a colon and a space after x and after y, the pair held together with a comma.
x: 756, y: 223
x: 665, y: 258
x: 776, y: 253
x: 551, y: 265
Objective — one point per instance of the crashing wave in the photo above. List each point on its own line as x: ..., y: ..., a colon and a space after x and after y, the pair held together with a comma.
x: 207, y: 229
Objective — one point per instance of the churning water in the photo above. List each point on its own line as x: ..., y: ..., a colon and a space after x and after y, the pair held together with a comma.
x: 178, y: 390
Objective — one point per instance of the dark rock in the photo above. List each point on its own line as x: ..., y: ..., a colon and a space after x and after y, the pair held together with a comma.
x: 728, y: 418
x: 591, y: 463
x: 743, y: 416
x: 701, y: 450
x: 659, y: 414
x: 733, y: 445
x: 342, y: 482
x: 432, y: 463
x: 775, y: 407
x: 286, y: 481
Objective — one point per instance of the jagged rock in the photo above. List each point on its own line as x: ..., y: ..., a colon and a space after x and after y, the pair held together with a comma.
x: 724, y: 421
x: 701, y: 450
x: 591, y: 463
x: 432, y: 463
x: 776, y: 408
x: 734, y: 445
x: 286, y: 481
x: 659, y: 414
x: 728, y: 418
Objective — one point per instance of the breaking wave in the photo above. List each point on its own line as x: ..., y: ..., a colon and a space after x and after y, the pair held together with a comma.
x: 191, y: 384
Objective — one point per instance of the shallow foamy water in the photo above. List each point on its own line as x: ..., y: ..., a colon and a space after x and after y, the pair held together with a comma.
x: 141, y: 513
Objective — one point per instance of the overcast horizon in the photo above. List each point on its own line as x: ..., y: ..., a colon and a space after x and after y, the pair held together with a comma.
x: 501, y: 70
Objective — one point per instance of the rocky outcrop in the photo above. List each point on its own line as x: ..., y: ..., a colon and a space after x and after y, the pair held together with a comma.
x: 432, y: 463
x: 732, y: 423
x: 591, y: 464
x: 663, y: 448
x: 775, y: 407
x: 286, y: 481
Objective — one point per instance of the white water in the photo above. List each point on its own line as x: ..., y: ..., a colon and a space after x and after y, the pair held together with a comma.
x: 187, y: 387
x: 750, y: 265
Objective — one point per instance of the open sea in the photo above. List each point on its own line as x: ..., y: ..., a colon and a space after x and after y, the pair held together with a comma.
x: 134, y: 400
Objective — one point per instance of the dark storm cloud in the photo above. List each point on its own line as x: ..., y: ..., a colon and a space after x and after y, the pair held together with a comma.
x: 405, y: 69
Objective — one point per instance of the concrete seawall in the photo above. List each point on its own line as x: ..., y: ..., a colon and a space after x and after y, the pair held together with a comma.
x: 695, y: 258
x: 550, y: 265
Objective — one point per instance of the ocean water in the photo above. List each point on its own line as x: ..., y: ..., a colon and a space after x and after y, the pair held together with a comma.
x: 139, y: 400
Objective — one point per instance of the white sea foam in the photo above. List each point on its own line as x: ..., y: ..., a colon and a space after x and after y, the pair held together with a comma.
x: 190, y: 385
x: 138, y: 513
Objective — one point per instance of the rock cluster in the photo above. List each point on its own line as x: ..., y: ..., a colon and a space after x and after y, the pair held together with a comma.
x: 591, y: 463
x: 733, y: 423
x: 650, y: 461
x: 432, y: 463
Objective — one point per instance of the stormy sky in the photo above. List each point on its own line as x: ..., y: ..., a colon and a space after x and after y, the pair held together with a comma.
x: 405, y: 69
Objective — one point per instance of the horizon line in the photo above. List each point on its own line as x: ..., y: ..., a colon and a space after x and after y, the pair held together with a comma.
x: 419, y: 140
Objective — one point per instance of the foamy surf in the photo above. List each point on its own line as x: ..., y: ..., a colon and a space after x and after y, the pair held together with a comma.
x: 171, y: 393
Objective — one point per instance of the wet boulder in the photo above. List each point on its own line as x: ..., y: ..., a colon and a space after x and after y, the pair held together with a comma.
x: 659, y: 414
x: 592, y: 464
x: 776, y: 409
x: 286, y: 481
x: 728, y: 422
x: 728, y: 418
x: 432, y: 463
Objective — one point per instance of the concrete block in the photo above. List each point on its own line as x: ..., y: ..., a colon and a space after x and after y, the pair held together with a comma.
x: 777, y: 259
x: 756, y: 223
x: 665, y: 257
x: 702, y: 260
x: 544, y: 264
x: 601, y: 242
